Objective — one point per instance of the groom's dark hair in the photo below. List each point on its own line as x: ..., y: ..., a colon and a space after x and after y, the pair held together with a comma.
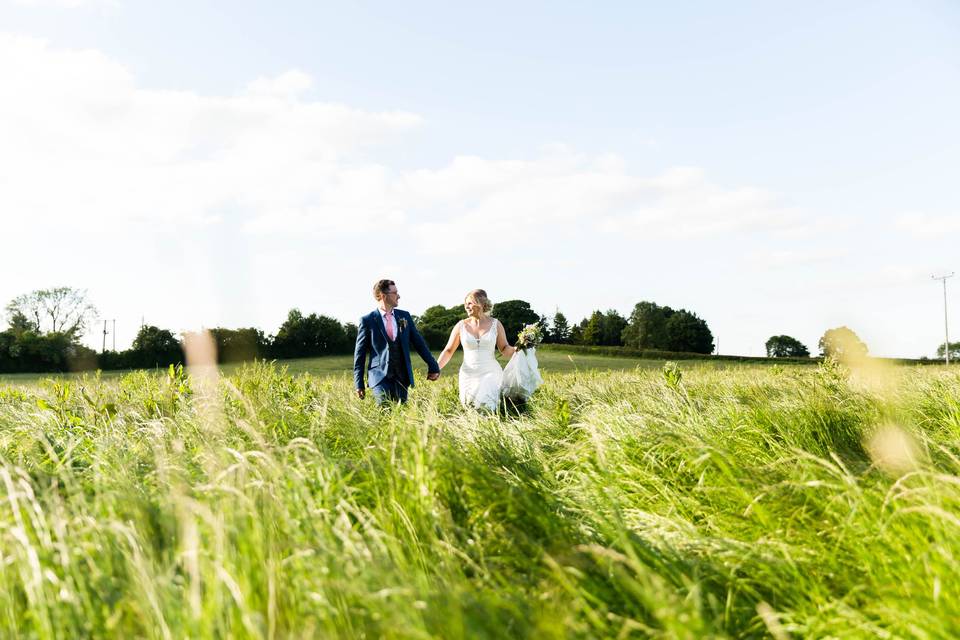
x: 381, y: 287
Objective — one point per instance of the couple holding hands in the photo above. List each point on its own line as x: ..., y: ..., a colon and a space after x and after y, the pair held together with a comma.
x: 387, y: 333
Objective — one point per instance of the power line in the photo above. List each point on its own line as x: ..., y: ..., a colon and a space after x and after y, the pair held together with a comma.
x: 946, y: 326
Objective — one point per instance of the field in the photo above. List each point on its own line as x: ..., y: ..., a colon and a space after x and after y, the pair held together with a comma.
x: 650, y: 501
x: 551, y: 361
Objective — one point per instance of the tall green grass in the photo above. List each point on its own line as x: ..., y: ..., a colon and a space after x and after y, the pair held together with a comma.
x: 551, y: 359
x: 687, y: 503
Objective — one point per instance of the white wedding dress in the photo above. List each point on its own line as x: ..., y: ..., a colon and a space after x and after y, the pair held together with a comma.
x: 480, y: 373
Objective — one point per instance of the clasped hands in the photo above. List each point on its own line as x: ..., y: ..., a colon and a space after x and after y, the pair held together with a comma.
x: 432, y: 377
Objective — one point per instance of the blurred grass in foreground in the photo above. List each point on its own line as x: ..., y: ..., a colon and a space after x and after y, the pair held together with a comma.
x: 690, y: 502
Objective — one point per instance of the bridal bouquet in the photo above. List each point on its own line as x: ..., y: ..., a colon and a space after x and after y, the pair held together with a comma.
x: 529, y: 337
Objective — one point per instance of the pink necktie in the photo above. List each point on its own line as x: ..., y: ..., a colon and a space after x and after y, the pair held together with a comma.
x: 389, y: 318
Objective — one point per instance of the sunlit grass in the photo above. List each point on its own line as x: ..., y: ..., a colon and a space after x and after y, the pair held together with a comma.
x: 553, y: 361
x: 752, y: 501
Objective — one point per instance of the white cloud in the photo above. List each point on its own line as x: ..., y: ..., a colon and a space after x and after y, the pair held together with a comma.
x: 234, y: 206
x: 67, y: 4
x: 84, y: 143
x: 924, y: 225
x: 897, y: 275
x: 682, y: 203
x: 783, y: 258
x: 506, y: 203
x: 288, y: 84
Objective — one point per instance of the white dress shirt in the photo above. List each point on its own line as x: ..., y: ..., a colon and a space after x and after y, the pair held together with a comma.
x: 392, y: 320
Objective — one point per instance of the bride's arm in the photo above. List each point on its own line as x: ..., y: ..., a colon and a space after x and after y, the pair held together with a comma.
x: 505, y: 349
x: 451, y: 347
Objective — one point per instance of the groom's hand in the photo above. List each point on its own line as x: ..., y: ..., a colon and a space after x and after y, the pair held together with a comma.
x: 361, y: 394
x: 433, y: 376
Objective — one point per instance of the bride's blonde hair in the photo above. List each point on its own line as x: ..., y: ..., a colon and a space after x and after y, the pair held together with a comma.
x: 479, y: 296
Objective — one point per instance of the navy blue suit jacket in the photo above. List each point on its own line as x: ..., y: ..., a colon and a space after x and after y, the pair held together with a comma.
x: 372, y: 340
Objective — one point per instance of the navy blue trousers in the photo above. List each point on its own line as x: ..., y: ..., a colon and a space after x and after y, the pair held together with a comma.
x: 389, y: 391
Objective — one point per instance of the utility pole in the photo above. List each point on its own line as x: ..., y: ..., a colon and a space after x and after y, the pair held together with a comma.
x: 104, y: 347
x: 946, y: 326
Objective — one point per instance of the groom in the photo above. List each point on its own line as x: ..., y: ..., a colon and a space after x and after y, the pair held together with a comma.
x: 386, y: 334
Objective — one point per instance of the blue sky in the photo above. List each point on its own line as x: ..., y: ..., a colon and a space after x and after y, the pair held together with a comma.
x: 774, y: 167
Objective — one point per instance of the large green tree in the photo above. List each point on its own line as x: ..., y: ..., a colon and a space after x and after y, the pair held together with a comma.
x: 560, y: 331
x: 303, y: 336
x: 841, y: 342
x: 954, y: 351
x: 611, y: 334
x: 514, y: 315
x: 592, y: 329
x: 654, y: 327
x: 786, y: 347
x: 576, y: 332
x: 647, y: 326
x: 154, y: 347
x: 238, y: 345
x: 436, y: 323
x: 58, y: 310
x: 20, y: 323
x: 45, y: 327
x: 603, y: 329
x: 688, y: 333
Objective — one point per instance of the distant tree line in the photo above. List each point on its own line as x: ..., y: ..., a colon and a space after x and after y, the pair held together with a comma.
x: 840, y: 342
x: 649, y: 327
x: 44, y: 331
x: 300, y: 336
x: 45, y: 326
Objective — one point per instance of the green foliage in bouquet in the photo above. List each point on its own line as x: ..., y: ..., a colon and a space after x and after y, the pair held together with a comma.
x: 529, y: 337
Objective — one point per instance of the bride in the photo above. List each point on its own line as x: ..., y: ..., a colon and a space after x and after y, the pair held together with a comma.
x: 479, y: 334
